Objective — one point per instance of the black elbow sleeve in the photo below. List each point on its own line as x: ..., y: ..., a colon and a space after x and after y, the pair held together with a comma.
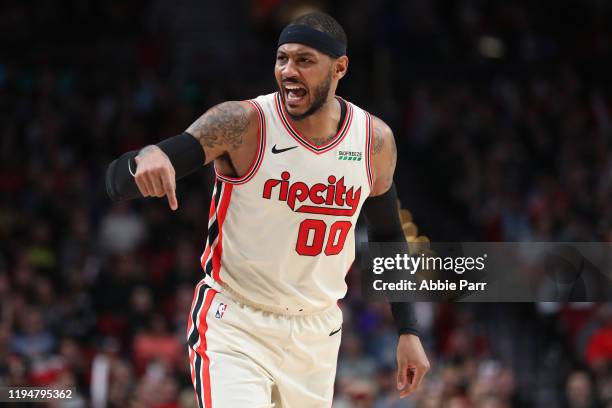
x: 384, y: 225
x: 184, y: 151
x: 382, y: 217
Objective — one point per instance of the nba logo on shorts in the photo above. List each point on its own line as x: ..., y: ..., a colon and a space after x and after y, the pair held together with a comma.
x: 220, y: 310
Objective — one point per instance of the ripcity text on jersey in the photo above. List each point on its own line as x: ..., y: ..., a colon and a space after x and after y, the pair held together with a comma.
x: 283, y: 235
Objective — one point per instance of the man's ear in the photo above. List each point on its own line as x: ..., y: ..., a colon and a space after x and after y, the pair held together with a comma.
x: 340, y: 67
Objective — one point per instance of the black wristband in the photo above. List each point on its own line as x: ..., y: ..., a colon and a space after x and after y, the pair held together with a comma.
x: 119, y: 180
x: 404, y: 317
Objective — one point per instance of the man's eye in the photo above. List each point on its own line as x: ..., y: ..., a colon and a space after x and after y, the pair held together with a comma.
x: 281, y: 58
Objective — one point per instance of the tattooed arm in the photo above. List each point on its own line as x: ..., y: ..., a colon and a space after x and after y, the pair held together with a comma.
x: 384, y: 158
x: 226, y: 130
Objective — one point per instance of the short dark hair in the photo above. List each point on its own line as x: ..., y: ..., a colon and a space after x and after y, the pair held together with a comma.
x: 322, y: 22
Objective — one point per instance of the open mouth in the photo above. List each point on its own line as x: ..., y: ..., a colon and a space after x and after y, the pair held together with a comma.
x: 295, y: 94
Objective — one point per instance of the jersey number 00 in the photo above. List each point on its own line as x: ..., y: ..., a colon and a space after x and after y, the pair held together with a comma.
x: 318, y: 230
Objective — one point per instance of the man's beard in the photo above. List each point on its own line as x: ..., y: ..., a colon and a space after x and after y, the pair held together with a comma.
x: 320, y: 98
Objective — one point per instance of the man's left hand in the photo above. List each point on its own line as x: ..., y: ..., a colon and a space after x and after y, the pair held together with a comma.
x: 412, y: 364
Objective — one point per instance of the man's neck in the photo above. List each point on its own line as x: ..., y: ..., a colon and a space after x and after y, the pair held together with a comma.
x: 320, y: 127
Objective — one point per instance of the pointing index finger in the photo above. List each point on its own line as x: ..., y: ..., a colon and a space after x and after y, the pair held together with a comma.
x: 170, y: 190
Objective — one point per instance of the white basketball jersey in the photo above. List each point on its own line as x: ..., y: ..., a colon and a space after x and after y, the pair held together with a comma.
x: 283, y: 235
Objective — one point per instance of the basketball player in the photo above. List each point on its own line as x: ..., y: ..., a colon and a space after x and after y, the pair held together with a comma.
x: 293, y: 170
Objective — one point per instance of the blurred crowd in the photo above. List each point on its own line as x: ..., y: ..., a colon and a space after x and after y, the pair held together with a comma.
x: 502, y: 115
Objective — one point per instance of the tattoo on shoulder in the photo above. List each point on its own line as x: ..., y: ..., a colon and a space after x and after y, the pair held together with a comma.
x: 384, y: 143
x: 225, y: 123
x: 381, y: 131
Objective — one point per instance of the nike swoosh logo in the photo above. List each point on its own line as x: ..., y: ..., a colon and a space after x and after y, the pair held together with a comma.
x: 276, y: 151
x: 335, y: 331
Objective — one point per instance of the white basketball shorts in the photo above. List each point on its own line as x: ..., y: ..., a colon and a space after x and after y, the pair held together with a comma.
x: 241, y: 356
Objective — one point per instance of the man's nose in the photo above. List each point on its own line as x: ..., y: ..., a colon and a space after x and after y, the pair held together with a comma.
x: 290, y: 70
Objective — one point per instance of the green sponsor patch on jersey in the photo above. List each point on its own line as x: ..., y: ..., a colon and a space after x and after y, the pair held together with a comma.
x: 348, y: 155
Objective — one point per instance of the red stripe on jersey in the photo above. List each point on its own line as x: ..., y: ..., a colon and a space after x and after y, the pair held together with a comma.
x: 205, y: 256
x: 193, y: 302
x: 192, y: 369
x: 213, y: 204
x: 201, y: 350
x: 369, y: 136
x: 211, y: 213
x: 221, y: 213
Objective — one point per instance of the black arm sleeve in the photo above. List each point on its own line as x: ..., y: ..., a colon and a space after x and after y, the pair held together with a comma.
x: 382, y: 217
x: 184, y: 151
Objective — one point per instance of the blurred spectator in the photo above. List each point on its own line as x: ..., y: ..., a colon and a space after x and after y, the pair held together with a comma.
x: 353, y: 362
x: 579, y: 391
x: 121, y: 231
x: 599, y: 347
x: 32, y: 339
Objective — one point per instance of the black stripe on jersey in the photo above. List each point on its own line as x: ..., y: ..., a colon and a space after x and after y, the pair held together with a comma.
x: 213, y: 229
x: 194, y: 336
x: 198, y: 377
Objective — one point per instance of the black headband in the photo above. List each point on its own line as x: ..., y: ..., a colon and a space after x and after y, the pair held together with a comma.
x: 319, y: 40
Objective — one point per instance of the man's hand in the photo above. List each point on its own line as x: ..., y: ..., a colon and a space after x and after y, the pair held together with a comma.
x: 412, y: 364
x: 155, y: 176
